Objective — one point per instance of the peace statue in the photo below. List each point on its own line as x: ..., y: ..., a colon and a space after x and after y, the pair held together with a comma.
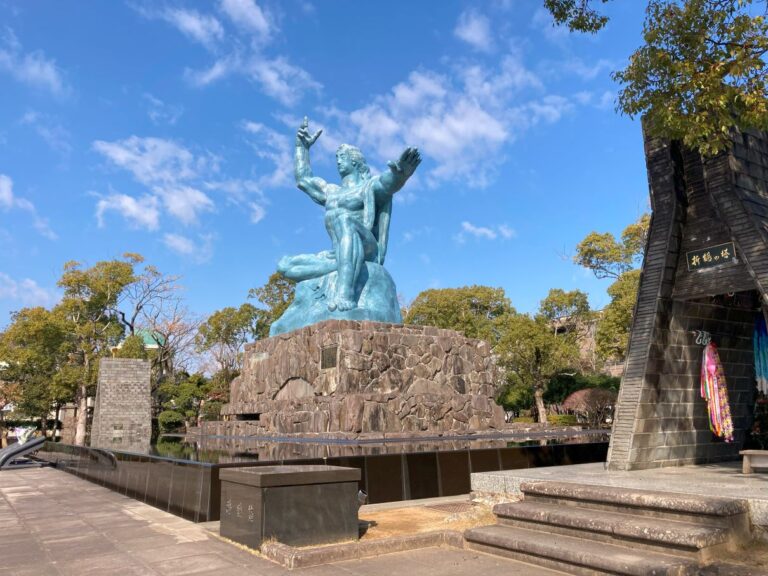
x: 349, y: 281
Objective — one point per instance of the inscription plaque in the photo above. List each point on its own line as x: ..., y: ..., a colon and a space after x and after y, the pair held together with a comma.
x: 328, y: 357
x: 709, y: 257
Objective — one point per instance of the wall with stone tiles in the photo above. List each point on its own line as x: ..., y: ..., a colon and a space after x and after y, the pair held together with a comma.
x: 376, y: 377
x: 122, y: 417
x: 672, y: 424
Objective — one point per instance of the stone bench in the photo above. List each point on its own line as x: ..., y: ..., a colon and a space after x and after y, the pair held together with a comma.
x: 754, y: 459
x: 300, y: 505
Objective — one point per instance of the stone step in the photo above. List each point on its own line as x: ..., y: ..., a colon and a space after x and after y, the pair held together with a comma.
x: 696, y: 540
x: 575, y: 555
x: 671, y: 505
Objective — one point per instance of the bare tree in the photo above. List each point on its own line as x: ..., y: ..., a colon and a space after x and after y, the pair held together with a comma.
x: 173, y: 327
x: 150, y: 290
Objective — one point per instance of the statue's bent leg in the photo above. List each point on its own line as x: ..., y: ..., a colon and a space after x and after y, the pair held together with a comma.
x: 355, y: 245
x: 306, y: 266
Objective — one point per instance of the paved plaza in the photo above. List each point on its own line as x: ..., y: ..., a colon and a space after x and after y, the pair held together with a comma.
x: 57, y: 524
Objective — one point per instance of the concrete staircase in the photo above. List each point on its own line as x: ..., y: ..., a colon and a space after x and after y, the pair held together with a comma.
x: 591, y: 530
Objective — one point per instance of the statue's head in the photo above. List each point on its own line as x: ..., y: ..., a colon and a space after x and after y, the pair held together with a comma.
x: 351, y: 158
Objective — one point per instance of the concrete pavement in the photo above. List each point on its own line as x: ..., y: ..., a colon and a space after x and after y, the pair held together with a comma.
x: 56, y: 524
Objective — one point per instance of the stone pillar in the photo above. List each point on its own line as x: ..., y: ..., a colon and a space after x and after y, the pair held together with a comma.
x: 122, y: 417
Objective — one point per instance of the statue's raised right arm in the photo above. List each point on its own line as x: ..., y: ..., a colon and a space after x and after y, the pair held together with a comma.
x: 305, y: 180
x: 391, y: 181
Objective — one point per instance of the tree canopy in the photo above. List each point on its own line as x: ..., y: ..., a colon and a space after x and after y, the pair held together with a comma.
x: 700, y: 72
x: 475, y: 311
x: 608, y: 257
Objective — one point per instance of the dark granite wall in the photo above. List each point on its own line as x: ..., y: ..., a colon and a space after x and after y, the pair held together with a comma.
x: 660, y: 418
x: 672, y: 424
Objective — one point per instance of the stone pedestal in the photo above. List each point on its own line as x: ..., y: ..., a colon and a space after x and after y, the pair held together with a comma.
x: 366, y: 377
x: 122, y: 414
x: 295, y: 505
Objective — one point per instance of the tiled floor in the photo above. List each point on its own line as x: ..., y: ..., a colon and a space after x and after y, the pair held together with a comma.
x: 54, y: 523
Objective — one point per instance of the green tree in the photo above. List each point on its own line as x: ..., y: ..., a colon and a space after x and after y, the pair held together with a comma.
x: 90, y: 302
x: 225, y: 333
x: 185, y: 397
x: 475, y: 311
x: 701, y: 72
x: 612, y: 335
x: 565, y: 311
x: 577, y: 15
x: 34, y: 349
x: 608, y: 257
x: 532, y: 354
x: 275, y: 296
x: 132, y: 347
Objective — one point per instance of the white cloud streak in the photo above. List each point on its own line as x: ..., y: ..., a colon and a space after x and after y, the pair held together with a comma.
x: 460, y: 119
x: 9, y: 201
x: 199, y: 251
x: 141, y: 213
x: 484, y: 232
x: 51, y: 132
x: 26, y: 291
x: 32, y: 68
x: 241, y: 51
x: 248, y: 16
x: 475, y: 29
x: 161, y: 113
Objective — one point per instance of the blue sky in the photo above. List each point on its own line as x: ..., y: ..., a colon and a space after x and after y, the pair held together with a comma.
x: 167, y: 129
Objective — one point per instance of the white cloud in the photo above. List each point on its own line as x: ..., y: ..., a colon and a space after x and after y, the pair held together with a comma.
x: 461, y: 119
x: 588, y: 71
x: 247, y: 15
x: 257, y: 213
x: 184, y: 202
x: 218, y: 70
x: 6, y: 192
x: 545, y: 24
x: 280, y: 79
x: 607, y: 100
x: 176, y: 179
x: 474, y: 29
x: 201, y: 28
x: 32, y: 68
x: 478, y: 231
x: 179, y: 244
x: 9, y: 201
x: 160, y: 112
x: 507, y: 232
x: 199, y: 251
x: 242, y: 54
x: 275, y: 148
x: 484, y: 232
x: 26, y: 291
x: 153, y: 160
x: 142, y: 212
x: 51, y: 131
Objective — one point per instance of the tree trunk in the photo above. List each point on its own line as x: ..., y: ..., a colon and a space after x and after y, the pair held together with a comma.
x: 56, y: 423
x: 82, y: 415
x: 541, y: 411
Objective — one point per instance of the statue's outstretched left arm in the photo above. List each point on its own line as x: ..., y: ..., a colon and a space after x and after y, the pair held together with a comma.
x: 394, y: 179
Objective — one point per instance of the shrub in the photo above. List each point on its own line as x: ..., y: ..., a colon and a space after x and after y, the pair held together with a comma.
x: 211, y: 410
x: 170, y: 421
x: 563, y: 420
x: 133, y: 347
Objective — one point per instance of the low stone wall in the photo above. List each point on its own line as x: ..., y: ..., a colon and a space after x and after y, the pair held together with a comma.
x: 363, y: 377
